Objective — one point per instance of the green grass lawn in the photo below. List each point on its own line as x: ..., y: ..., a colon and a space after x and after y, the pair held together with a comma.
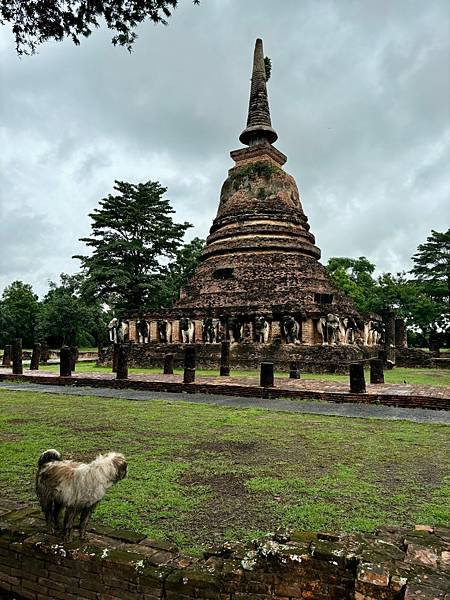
x: 199, y: 475
x: 397, y: 375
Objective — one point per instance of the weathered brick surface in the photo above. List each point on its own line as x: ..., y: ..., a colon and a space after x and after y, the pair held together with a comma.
x: 303, y: 566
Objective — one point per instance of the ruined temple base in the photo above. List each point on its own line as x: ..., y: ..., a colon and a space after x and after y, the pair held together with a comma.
x: 245, y: 356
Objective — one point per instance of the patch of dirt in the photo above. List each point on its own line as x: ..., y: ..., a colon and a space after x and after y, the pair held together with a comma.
x: 229, y: 447
x: 19, y: 421
x: 231, y: 508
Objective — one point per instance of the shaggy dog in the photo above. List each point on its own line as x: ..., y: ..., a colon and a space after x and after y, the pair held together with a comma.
x: 75, y: 486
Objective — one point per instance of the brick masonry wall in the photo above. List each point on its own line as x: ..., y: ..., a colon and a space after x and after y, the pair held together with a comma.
x: 391, y: 564
x: 249, y: 355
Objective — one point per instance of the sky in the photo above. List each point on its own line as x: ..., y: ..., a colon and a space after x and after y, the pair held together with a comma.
x: 359, y: 96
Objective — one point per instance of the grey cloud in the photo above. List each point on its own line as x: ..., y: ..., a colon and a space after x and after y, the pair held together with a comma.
x: 359, y: 97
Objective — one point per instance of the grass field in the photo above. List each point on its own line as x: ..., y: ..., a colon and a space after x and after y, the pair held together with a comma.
x: 397, y: 375
x: 199, y: 475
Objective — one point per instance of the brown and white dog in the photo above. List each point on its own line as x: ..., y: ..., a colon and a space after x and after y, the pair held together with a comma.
x: 77, y: 487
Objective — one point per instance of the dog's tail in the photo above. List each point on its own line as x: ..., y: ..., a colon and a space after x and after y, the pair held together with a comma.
x: 48, y: 456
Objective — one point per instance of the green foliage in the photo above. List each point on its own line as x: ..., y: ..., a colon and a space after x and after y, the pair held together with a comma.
x: 432, y: 265
x: 67, y: 318
x: 268, y: 67
x: 179, y: 271
x: 36, y: 22
x: 19, y: 310
x: 354, y: 277
x: 256, y: 169
x: 133, y: 233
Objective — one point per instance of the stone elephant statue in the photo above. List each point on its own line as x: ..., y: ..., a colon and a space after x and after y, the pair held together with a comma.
x: 291, y: 329
x: 262, y: 329
x: 187, y: 328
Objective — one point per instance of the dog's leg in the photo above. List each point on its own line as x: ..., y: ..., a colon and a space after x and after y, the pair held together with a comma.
x: 69, y: 518
x: 57, y: 507
x: 84, y: 519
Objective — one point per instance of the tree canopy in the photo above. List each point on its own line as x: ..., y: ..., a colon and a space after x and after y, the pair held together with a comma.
x: 134, y: 239
x: 36, y: 21
x: 432, y: 265
x: 19, y: 310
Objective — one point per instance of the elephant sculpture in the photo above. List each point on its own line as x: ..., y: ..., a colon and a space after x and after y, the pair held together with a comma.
x: 143, y: 330
x: 348, y: 329
x: 164, y: 331
x: 122, y: 331
x: 328, y: 328
x: 112, y: 330
x: 291, y: 329
x: 262, y: 329
x: 187, y: 328
x: 209, y: 336
x: 235, y: 329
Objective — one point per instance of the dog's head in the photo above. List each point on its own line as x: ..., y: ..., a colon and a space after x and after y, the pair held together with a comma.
x: 120, y: 465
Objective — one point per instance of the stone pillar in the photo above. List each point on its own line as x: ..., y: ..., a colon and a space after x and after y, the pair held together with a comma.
x: 401, y: 339
x: 114, y: 357
x: 357, y: 381
x: 376, y: 370
x: 198, y: 333
x: 122, y: 361
x: 389, y: 321
x: 132, y: 331
x: 275, y: 331
x: 168, y: 364
x: 266, y: 378
x: 294, y: 370
x: 65, y: 362
x: 7, y: 353
x: 189, y: 364
x: 74, y: 352
x: 153, y: 333
x: 45, y: 353
x: 35, y: 357
x: 176, y: 338
x: 308, y: 332
x: 225, y: 359
x: 17, y: 367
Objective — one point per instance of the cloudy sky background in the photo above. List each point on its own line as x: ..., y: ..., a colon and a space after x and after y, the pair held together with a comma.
x: 359, y: 96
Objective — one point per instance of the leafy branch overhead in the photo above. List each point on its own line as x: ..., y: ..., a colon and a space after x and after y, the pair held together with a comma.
x: 37, y: 21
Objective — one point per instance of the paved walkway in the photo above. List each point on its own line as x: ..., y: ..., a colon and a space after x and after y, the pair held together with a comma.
x: 365, y: 411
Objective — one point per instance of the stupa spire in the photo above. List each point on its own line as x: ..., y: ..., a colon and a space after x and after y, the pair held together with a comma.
x: 259, y: 126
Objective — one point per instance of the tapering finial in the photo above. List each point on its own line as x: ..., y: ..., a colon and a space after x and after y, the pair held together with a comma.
x: 259, y: 127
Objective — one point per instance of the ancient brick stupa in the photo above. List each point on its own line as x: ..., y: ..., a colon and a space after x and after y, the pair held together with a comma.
x: 260, y: 281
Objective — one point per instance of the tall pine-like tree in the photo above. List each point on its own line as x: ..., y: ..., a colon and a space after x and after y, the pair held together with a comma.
x: 432, y: 265
x: 133, y: 240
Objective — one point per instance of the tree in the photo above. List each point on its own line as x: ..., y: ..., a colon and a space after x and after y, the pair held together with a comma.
x: 66, y: 318
x: 19, y: 309
x: 432, y: 265
x: 133, y: 238
x: 37, y: 21
x: 180, y: 271
x: 354, y: 277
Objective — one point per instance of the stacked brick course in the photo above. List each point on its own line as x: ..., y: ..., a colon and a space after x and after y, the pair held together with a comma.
x: 392, y: 564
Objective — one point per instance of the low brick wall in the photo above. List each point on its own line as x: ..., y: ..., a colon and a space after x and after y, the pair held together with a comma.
x: 391, y: 564
x: 249, y: 355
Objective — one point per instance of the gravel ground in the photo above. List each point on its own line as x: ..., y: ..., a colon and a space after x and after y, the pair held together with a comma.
x: 363, y: 411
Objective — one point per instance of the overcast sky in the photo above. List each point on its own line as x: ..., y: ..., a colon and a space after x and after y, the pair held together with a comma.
x: 359, y: 96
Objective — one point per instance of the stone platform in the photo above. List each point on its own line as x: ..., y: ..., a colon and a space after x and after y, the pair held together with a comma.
x: 402, y: 395
x: 390, y: 564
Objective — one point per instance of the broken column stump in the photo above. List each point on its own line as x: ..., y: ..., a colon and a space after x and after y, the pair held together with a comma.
x: 294, y: 370
x: 122, y: 361
x: 376, y: 371
x: 7, y: 353
x: 45, y: 353
x: 65, y: 362
x: 114, y: 357
x: 35, y: 357
x: 225, y: 359
x: 189, y: 364
x: 74, y: 352
x: 17, y: 367
x: 266, y: 375
x: 168, y: 364
x: 357, y: 381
